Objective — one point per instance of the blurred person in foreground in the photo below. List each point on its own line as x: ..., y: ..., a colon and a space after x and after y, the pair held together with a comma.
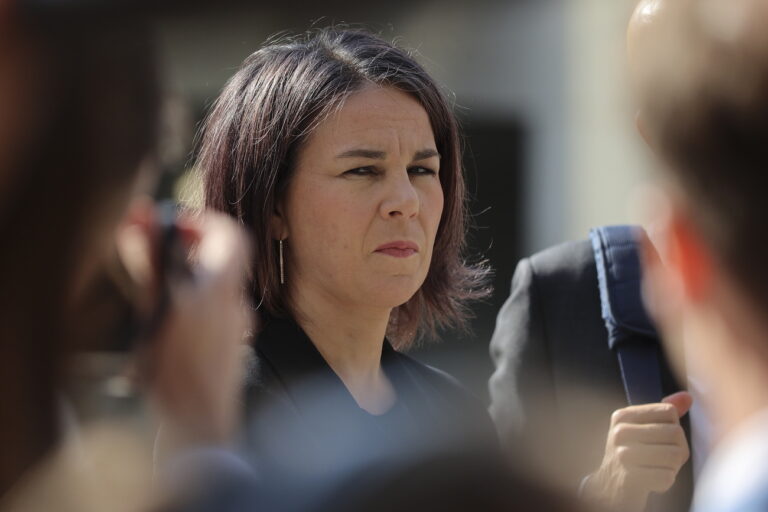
x: 441, y: 481
x: 559, y: 397
x: 704, y: 100
x: 78, y: 105
x: 341, y: 156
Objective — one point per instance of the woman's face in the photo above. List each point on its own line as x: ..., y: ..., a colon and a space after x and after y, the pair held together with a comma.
x: 362, y: 210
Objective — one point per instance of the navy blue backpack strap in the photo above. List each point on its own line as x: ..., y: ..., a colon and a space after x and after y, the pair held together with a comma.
x: 631, y: 333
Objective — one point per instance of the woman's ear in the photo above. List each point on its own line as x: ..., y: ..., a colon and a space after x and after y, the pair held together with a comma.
x: 278, y: 227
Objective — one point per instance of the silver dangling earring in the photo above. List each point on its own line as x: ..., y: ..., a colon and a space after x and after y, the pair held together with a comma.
x: 282, y: 264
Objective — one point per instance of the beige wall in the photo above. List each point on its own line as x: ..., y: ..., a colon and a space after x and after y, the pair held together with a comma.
x: 558, y: 65
x: 607, y: 160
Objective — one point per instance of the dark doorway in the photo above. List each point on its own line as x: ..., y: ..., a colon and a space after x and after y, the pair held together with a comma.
x: 494, y: 163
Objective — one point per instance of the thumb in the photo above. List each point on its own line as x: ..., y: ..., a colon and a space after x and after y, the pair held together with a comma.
x: 682, y: 401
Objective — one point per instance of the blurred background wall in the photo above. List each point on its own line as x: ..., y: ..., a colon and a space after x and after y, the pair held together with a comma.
x: 539, y: 88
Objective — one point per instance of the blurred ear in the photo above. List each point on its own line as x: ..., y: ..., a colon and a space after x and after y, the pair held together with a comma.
x: 663, y: 289
x: 660, y: 289
x: 689, y: 257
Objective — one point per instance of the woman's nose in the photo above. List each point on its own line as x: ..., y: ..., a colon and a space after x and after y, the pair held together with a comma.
x: 402, y: 199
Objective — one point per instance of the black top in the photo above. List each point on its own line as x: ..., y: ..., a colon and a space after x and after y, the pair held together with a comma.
x: 301, y: 417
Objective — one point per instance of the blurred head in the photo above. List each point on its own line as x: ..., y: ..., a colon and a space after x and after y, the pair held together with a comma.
x: 81, y: 97
x: 449, y: 481
x: 704, y: 95
x: 341, y: 145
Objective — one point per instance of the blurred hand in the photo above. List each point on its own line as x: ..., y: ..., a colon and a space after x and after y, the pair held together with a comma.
x: 194, y: 363
x: 645, y: 449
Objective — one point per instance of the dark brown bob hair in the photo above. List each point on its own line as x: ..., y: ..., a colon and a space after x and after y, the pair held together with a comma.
x: 258, y: 125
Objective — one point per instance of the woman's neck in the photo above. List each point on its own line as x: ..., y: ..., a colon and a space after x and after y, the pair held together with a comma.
x: 351, y: 342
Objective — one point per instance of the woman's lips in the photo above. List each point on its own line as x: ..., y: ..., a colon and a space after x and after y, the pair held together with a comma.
x: 399, y: 249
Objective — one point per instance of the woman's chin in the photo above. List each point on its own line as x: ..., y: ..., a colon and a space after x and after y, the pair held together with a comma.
x: 394, y: 292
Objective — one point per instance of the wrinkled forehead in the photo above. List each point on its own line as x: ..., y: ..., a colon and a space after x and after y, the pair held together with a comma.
x: 378, y: 117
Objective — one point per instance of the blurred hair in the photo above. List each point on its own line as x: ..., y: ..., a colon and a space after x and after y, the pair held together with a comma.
x: 704, y: 102
x: 94, y: 106
x: 267, y: 111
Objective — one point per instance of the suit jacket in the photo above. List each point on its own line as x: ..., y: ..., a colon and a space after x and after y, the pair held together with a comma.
x: 302, y: 421
x: 556, y: 381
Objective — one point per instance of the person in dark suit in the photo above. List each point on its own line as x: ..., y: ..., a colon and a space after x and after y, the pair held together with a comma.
x: 557, y: 382
x: 341, y: 157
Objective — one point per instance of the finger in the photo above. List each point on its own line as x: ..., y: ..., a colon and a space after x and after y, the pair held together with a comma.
x: 191, y: 232
x: 648, y: 433
x: 682, y: 400
x: 667, y: 456
x: 223, y: 245
x: 141, y: 212
x: 647, y: 413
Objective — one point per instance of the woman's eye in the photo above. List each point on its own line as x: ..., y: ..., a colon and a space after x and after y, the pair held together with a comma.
x: 421, y: 171
x: 361, y: 171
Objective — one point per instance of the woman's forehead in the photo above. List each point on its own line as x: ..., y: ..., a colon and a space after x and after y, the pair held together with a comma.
x: 376, y: 117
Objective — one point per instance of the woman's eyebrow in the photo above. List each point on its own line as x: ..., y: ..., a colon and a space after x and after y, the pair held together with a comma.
x: 426, y: 153
x: 363, y: 153
x: 373, y: 154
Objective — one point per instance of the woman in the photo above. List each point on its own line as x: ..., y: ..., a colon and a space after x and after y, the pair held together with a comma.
x: 341, y: 156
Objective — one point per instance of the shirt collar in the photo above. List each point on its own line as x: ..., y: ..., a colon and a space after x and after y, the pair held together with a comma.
x: 284, y: 346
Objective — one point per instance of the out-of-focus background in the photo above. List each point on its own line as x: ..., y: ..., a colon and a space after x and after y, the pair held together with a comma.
x: 540, y: 90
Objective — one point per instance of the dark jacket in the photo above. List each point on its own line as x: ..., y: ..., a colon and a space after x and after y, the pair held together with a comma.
x: 301, y: 419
